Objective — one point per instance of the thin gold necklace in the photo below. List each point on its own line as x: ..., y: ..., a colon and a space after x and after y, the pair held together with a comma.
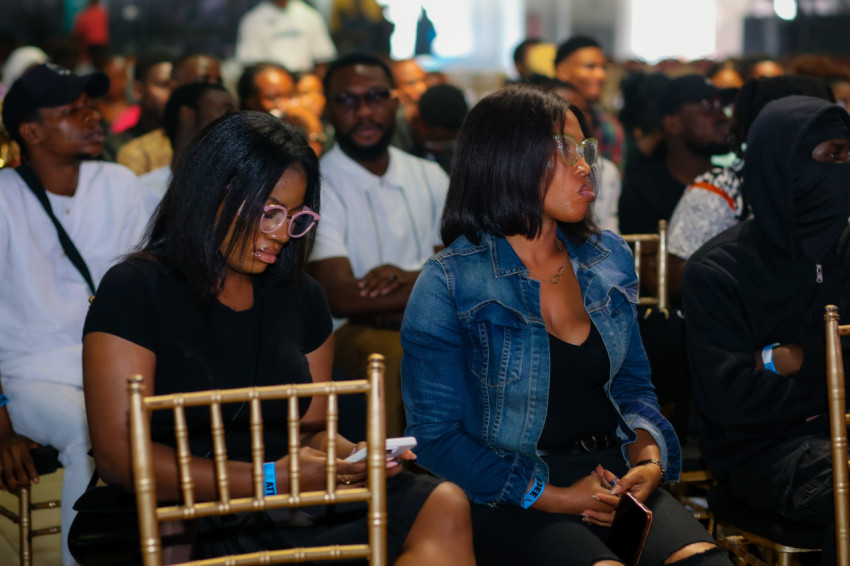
x: 556, y: 278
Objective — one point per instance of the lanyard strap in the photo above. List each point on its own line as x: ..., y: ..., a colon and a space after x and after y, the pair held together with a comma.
x: 32, y: 181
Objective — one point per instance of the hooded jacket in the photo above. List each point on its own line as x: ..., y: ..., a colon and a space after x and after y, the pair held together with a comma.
x: 767, y: 280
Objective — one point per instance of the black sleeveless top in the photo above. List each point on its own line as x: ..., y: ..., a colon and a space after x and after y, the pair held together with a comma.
x: 578, y: 405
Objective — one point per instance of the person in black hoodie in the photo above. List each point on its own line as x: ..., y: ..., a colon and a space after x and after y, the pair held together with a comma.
x: 754, y: 299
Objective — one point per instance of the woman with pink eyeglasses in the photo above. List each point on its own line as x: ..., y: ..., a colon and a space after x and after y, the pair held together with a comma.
x: 216, y: 298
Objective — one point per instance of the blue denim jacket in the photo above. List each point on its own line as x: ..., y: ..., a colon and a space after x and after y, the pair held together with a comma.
x: 475, y: 370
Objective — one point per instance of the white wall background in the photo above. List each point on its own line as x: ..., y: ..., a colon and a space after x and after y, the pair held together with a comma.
x: 481, y: 34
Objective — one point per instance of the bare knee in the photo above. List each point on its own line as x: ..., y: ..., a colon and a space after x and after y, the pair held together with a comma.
x: 442, y: 531
x: 449, y: 508
x: 690, y: 550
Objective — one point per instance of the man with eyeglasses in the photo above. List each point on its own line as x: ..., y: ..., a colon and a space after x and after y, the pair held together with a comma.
x: 381, y: 211
x: 695, y: 127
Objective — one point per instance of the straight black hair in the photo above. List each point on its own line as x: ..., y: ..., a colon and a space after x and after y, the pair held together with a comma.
x: 503, y: 166
x: 224, y: 178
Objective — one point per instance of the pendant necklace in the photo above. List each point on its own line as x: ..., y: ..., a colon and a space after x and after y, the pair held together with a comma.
x: 556, y: 278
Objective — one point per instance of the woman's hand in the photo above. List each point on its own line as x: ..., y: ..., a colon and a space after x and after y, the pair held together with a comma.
x: 588, y: 497
x: 594, y: 488
x: 641, y: 481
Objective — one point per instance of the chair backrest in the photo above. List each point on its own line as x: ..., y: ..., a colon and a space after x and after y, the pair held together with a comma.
x: 838, y: 421
x: 643, y: 244
x: 151, y: 514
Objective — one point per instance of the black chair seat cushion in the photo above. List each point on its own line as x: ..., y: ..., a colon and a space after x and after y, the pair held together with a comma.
x: 727, y: 508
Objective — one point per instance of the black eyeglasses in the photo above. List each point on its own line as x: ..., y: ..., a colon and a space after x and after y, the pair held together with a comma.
x: 375, y: 98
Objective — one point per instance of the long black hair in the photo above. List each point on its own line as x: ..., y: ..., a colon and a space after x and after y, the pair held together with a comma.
x: 224, y: 178
x: 503, y: 166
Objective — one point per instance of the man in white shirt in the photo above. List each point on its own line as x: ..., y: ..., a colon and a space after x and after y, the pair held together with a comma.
x: 288, y: 32
x: 49, y: 112
x: 381, y: 211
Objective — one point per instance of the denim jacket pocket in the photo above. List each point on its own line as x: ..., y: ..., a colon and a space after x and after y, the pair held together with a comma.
x: 630, y: 291
x: 497, y: 349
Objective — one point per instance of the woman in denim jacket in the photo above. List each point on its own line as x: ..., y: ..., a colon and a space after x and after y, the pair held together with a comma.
x: 524, y: 377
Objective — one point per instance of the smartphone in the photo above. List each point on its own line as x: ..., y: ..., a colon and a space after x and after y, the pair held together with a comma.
x: 395, y: 448
x: 629, y: 530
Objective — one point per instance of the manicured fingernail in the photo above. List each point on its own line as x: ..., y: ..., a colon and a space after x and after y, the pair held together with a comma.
x: 392, y: 463
x: 596, y: 497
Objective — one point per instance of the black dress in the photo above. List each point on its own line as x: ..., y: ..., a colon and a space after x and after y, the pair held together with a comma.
x: 218, y: 348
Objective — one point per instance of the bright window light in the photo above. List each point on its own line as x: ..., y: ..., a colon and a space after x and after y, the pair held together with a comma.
x: 785, y: 9
x: 452, y: 21
x: 658, y: 29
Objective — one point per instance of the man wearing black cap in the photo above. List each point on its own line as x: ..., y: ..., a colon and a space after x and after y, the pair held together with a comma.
x: 98, y: 207
x: 695, y: 127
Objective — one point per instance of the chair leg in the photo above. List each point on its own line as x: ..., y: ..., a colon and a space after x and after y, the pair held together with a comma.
x: 25, y: 526
x: 783, y: 559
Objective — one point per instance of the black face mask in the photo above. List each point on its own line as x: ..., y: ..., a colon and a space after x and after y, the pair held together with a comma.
x: 820, y: 191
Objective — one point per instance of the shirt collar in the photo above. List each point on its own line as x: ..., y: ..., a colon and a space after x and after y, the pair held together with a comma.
x: 361, y: 176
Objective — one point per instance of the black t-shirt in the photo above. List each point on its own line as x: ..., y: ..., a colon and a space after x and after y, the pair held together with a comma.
x: 215, y: 348
x: 578, y: 405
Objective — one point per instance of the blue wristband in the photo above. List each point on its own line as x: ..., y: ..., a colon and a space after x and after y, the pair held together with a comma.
x: 3, y: 400
x: 269, y: 479
x: 767, y: 357
x: 533, y: 493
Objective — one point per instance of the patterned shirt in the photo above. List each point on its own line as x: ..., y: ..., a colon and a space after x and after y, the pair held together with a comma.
x: 710, y: 205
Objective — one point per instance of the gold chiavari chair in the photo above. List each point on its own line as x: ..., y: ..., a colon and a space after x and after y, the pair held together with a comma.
x: 642, y: 244
x: 46, y: 462
x: 838, y: 421
x: 152, y: 514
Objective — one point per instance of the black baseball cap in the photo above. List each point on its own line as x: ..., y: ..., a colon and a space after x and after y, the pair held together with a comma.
x: 46, y: 86
x: 690, y: 88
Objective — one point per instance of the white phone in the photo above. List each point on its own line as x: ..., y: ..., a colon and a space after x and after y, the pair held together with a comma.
x: 395, y: 448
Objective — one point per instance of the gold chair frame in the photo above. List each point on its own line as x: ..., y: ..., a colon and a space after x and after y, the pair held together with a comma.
x: 738, y: 541
x: 23, y: 518
x: 151, y: 515
x: 660, y: 239
x: 838, y: 421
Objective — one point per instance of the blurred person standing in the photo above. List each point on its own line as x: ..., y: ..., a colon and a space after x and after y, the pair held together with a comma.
x: 289, y: 32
